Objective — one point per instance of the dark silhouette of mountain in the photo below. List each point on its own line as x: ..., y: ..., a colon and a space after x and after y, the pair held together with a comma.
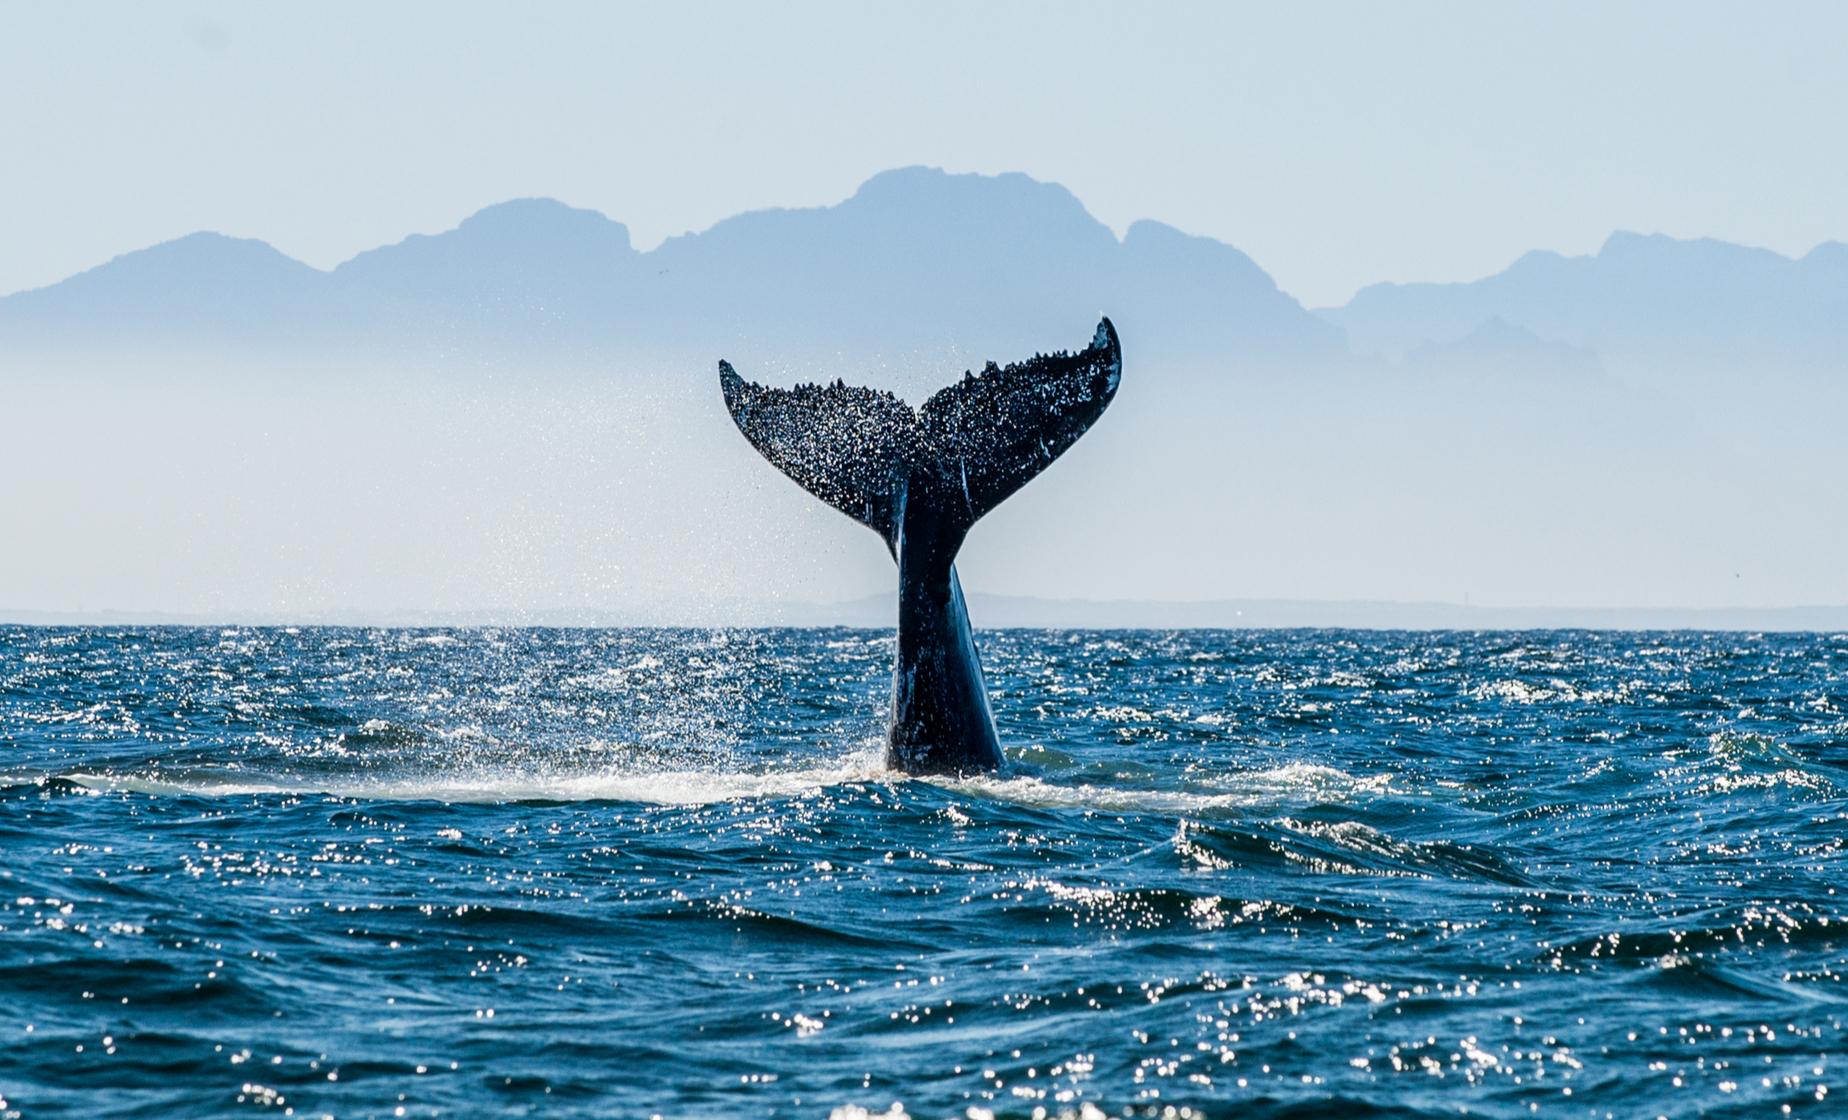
x: 915, y: 259
x: 1639, y: 295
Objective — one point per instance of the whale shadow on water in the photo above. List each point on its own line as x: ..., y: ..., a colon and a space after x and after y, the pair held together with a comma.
x: 921, y: 478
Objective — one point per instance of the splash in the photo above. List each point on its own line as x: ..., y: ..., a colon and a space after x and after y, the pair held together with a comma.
x: 492, y: 786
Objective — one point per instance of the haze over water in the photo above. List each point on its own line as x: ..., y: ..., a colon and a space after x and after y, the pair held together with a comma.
x: 596, y: 873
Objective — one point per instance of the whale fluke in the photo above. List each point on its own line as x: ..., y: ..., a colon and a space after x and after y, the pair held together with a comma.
x: 984, y: 436
x: 999, y: 428
x: 920, y: 479
x: 841, y: 444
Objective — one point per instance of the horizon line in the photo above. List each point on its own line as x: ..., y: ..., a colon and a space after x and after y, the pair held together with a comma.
x: 1006, y: 612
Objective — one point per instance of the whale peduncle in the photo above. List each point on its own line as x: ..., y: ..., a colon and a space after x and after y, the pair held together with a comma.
x: 921, y: 479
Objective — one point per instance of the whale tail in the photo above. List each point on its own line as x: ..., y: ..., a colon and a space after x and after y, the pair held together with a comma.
x: 870, y: 455
x: 920, y: 479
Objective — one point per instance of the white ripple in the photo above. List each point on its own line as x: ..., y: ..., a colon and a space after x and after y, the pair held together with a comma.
x: 494, y: 786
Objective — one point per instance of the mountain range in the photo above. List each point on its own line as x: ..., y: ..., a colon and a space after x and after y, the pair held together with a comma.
x: 916, y: 258
x: 1637, y: 295
x: 922, y: 261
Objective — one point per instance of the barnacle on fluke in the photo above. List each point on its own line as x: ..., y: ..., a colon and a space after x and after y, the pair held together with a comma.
x: 920, y: 478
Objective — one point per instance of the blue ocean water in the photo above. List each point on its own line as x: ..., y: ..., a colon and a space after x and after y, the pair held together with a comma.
x: 629, y: 873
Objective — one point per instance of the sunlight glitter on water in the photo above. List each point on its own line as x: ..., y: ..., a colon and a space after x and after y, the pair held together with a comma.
x: 635, y: 872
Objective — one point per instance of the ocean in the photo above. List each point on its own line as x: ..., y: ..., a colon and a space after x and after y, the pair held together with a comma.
x: 612, y: 873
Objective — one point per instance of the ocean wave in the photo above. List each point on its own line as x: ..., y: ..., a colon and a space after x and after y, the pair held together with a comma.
x: 1233, y: 790
x: 617, y: 872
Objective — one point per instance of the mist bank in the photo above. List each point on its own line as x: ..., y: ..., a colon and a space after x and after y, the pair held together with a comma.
x: 525, y: 413
x: 366, y: 491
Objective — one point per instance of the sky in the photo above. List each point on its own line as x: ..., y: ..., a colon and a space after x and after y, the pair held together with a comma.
x: 1338, y: 144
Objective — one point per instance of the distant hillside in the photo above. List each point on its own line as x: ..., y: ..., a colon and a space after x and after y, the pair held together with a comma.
x: 918, y: 261
x: 916, y: 258
x: 201, y: 285
x: 1638, y: 295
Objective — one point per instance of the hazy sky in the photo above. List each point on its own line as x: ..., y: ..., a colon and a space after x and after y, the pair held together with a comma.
x: 1338, y: 144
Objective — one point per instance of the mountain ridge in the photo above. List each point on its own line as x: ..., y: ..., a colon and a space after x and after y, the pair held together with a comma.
x: 1638, y: 293
x: 919, y: 261
x: 915, y: 258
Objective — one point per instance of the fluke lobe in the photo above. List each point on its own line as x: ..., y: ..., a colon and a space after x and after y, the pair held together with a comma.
x: 920, y: 478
